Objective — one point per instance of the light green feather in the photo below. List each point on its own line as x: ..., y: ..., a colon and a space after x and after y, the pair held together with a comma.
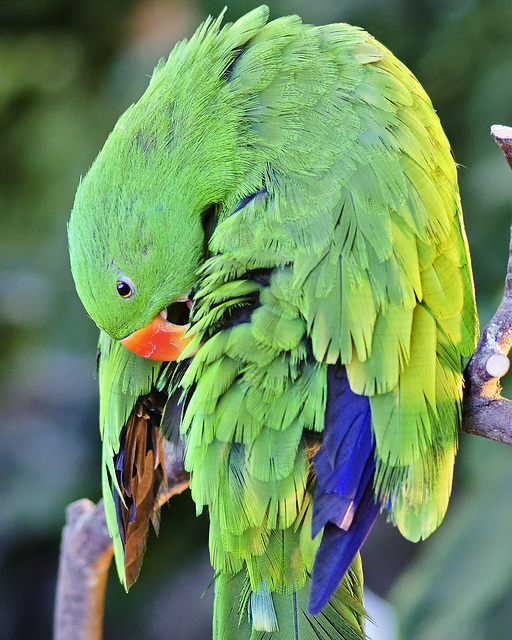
x: 351, y: 250
x: 244, y: 615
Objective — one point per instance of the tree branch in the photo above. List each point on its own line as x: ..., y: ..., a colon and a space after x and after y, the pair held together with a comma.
x: 86, y: 554
x: 486, y: 412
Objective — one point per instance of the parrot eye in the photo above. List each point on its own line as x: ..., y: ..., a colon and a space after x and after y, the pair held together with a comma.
x: 125, y: 288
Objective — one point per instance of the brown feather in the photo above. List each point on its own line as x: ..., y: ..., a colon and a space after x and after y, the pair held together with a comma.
x: 140, y: 469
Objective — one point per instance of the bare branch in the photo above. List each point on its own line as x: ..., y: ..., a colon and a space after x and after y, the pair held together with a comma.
x: 86, y: 554
x: 178, y: 478
x: 503, y: 137
x: 486, y: 412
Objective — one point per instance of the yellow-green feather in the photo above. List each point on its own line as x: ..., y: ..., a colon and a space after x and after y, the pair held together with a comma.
x: 351, y: 251
x: 378, y: 273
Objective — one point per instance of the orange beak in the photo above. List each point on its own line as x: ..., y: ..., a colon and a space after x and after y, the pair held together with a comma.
x: 158, y: 340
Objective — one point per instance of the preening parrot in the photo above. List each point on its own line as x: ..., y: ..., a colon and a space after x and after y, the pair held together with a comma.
x: 272, y: 237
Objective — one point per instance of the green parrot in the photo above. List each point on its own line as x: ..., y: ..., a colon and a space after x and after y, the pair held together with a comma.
x: 271, y: 243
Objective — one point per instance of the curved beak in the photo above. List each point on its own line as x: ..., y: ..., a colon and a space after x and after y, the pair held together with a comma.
x: 159, y: 339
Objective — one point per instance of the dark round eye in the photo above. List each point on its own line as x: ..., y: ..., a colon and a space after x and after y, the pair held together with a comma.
x: 125, y: 288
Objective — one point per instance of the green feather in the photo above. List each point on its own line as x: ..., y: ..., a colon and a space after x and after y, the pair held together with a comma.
x: 242, y: 614
x: 297, y: 181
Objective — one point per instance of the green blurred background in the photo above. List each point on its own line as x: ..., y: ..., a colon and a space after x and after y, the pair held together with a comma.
x: 67, y: 71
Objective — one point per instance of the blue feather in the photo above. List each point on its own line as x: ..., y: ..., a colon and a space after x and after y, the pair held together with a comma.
x: 337, y: 550
x: 245, y: 201
x: 345, y: 505
x: 119, y: 468
x: 347, y: 416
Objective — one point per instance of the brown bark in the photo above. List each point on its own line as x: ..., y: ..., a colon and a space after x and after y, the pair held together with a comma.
x: 486, y: 412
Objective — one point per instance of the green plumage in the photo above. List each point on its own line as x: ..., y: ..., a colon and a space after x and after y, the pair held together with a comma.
x: 297, y: 179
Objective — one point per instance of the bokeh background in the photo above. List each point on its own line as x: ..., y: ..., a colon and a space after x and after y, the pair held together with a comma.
x: 67, y: 71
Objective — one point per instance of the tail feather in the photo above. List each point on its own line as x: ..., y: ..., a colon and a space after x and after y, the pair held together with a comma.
x: 341, y: 619
x: 344, y: 505
x: 337, y: 551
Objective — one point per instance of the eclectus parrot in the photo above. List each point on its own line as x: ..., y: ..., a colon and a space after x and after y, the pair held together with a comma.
x: 272, y: 237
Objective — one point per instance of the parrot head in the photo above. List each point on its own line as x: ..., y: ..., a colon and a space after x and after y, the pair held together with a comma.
x: 130, y: 284
x: 175, y: 163
x: 136, y: 241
